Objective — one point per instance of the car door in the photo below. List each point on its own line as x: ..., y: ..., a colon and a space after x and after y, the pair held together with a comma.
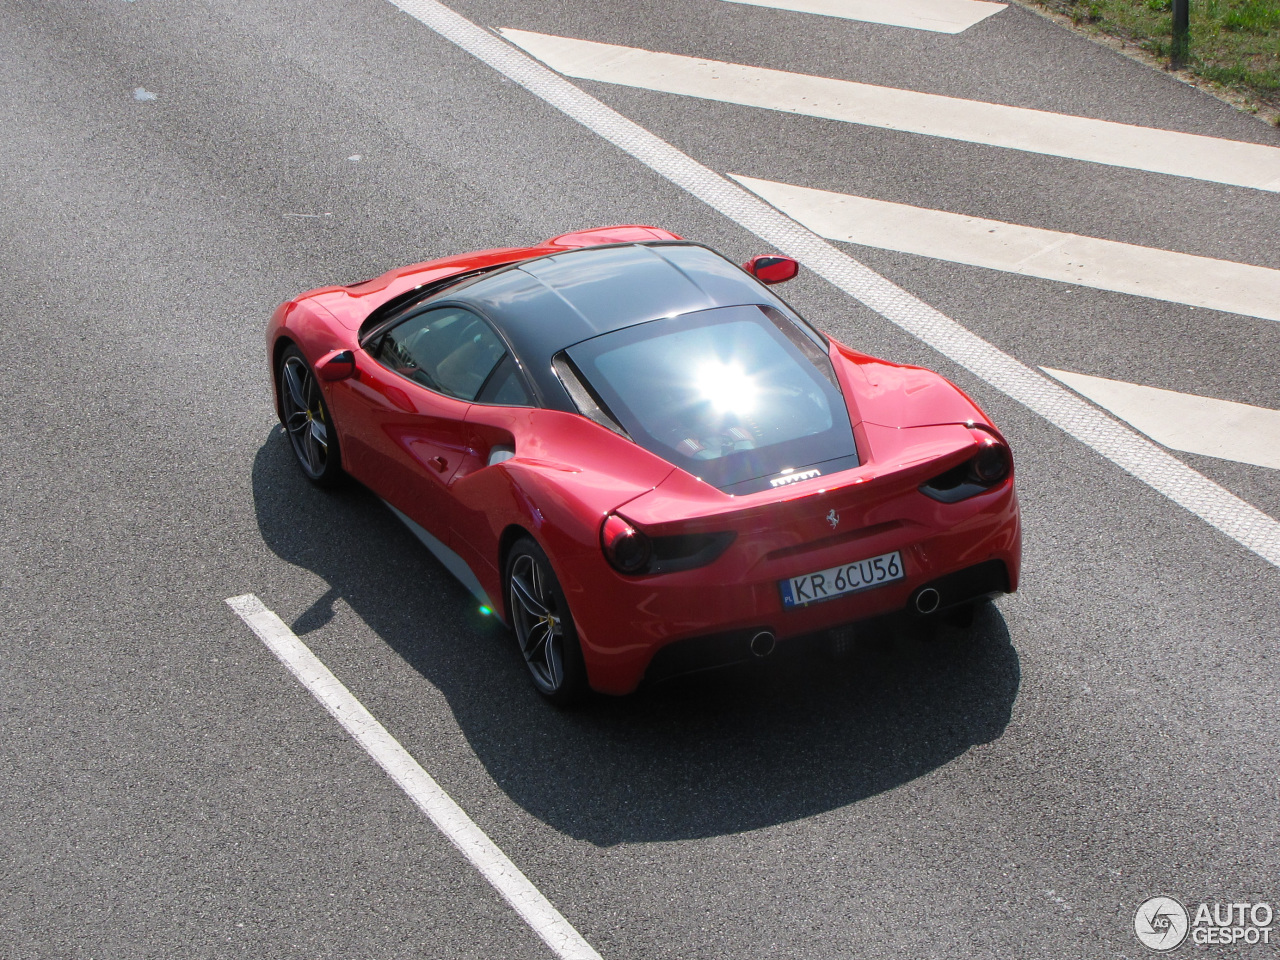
x: 482, y: 493
x: 404, y: 412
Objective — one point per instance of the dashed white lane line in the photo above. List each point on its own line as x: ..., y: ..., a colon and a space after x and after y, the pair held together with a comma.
x: 1183, y: 421
x: 1067, y: 257
x: 1016, y: 128
x: 450, y: 818
x: 1124, y: 447
x: 940, y: 16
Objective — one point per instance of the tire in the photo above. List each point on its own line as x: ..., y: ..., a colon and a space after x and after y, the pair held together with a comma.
x: 307, y: 423
x: 543, y: 625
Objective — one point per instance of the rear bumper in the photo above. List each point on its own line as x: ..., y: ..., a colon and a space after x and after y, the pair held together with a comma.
x: 694, y: 654
x: 709, y: 616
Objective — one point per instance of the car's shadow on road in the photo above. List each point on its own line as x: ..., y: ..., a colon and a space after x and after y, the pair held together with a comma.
x: 717, y: 754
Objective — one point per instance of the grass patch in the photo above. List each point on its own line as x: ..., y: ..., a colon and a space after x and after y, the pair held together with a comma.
x: 1234, y: 43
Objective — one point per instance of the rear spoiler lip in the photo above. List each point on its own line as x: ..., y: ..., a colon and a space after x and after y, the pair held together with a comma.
x: 705, y: 508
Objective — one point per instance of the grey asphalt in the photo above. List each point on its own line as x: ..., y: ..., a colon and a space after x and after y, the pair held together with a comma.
x: 168, y: 790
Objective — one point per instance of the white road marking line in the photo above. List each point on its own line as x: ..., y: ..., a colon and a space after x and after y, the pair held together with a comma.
x: 1015, y: 128
x: 1067, y: 257
x: 940, y: 16
x: 1184, y: 421
x: 1130, y: 451
x: 452, y: 820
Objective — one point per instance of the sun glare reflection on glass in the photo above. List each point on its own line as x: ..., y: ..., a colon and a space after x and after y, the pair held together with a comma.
x: 727, y: 387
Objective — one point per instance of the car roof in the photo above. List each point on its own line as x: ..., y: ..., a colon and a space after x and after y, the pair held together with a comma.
x: 546, y: 305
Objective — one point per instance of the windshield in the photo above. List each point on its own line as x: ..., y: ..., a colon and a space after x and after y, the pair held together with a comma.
x: 730, y: 395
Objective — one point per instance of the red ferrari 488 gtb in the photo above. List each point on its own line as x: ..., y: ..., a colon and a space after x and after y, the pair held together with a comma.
x: 640, y: 458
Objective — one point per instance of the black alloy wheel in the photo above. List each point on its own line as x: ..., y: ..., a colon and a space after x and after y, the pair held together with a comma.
x: 543, y: 625
x: 307, y: 421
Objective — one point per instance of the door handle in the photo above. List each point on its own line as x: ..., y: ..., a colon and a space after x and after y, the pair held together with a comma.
x: 440, y: 463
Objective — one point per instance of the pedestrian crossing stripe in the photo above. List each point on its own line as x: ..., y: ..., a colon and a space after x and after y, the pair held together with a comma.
x: 939, y: 16
x: 1016, y: 128
x: 1029, y: 251
x: 1183, y: 421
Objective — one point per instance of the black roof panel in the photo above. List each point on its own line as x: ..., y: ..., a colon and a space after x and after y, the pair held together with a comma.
x: 546, y: 305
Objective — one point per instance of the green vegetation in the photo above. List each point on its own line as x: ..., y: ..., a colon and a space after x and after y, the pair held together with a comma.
x: 1234, y: 43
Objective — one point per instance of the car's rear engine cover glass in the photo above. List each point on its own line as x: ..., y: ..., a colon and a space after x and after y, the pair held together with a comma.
x: 724, y: 394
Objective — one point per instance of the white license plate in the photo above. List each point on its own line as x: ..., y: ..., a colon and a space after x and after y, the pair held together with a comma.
x: 837, y: 581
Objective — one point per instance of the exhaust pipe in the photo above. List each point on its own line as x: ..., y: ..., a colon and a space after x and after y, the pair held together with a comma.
x: 927, y: 600
x: 762, y: 643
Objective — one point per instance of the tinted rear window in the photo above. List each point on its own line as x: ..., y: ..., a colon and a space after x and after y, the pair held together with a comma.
x: 724, y: 394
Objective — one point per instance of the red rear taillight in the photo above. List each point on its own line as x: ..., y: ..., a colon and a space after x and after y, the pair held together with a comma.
x: 630, y: 551
x: 992, y: 463
x: 987, y: 468
x: 626, y: 548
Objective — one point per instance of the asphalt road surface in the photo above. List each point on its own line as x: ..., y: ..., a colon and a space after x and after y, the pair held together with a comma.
x: 171, y: 171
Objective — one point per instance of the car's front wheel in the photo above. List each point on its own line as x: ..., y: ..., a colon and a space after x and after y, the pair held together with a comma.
x: 307, y: 421
x: 543, y: 624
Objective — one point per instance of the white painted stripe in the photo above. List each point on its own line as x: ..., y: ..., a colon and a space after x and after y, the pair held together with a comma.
x: 1067, y: 257
x: 993, y: 124
x: 453, y: 822
x: 1129, y: 450
x: 1184, y: 421
x: 940, y: 16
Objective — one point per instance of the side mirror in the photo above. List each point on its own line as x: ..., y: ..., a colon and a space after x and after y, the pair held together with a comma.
x: 772, y: 268
x: 338, y: 365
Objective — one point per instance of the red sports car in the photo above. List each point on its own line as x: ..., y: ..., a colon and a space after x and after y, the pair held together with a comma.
x: 639, y: 457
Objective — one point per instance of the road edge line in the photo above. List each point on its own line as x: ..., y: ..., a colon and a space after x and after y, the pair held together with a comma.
x: 494, y: 865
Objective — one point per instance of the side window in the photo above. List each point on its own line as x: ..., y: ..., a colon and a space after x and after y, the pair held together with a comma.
x: 449, y: 350
x: 505, y: 387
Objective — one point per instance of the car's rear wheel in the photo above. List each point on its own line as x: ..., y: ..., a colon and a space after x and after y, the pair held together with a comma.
x: 307, y: 421
x: 543, y: 624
